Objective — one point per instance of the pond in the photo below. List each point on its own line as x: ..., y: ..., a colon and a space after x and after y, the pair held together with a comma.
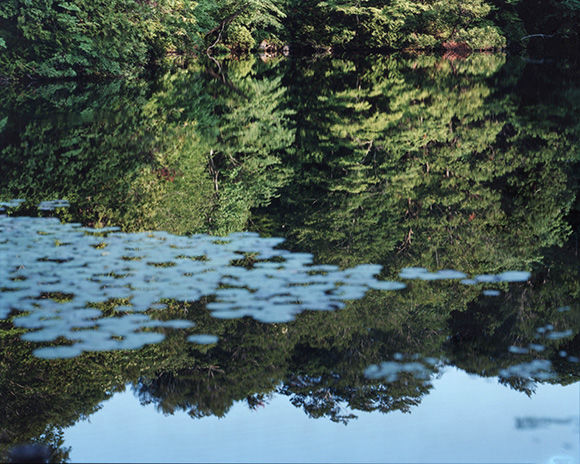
x: 316, y: 259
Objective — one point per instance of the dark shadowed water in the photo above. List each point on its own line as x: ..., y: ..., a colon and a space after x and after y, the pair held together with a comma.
x: 298, y: 260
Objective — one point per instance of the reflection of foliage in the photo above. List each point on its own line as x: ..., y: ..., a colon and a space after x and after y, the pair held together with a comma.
x: 254, y: 133
x: 142, y: 166
x: 317, y: 360
x: 62, y: 133
x: 430, y: 162
x: 424, y: 158
x: 223, y: 138
x: 321, y: 370
x: 326, y: 372
x: 248, y: 361
x: 534, y: 318
x: 38, y: 399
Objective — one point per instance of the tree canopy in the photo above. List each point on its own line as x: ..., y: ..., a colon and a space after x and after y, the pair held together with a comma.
x: 65, y: 39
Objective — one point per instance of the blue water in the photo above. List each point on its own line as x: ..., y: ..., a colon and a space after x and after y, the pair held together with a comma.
x: 465, y: 419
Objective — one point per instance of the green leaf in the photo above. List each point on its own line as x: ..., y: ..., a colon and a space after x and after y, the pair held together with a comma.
x: 69, y: 6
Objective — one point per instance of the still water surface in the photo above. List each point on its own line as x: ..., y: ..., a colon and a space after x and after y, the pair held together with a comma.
x: 501, y: 426
x: 358, y: 259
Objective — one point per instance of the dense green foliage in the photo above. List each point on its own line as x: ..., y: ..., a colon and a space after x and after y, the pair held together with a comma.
x: 64, y: 39
x: 318, y: 360
x: 464, y: 164
x: 53, y: 39
x: 195, y: 155
x: 396, y: 24
x: 436, y: 163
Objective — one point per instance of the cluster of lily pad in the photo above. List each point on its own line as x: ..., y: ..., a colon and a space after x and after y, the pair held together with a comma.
x: 421, y: 273
x: 419, y: 367
x: 546, y: 332
x: 423, y: 367
x: 11, y: 203
x: 540, y: 369
x: 55, y: 274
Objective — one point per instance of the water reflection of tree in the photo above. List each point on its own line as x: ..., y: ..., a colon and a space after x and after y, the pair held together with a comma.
x: 39, y: 398
x: 188, y: 154
x: 318, y: 360
x: 437, y: 163
x: 477, y: 166
x: 482, y: 334
x: 442, y: 157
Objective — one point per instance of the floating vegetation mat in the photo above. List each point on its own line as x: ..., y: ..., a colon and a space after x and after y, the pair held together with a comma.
x: 56, y: 274
x: 421, y: 368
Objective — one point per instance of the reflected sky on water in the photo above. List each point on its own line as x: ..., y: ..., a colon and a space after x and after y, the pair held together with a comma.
x: 465, y: 419
x: 336, y: 243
